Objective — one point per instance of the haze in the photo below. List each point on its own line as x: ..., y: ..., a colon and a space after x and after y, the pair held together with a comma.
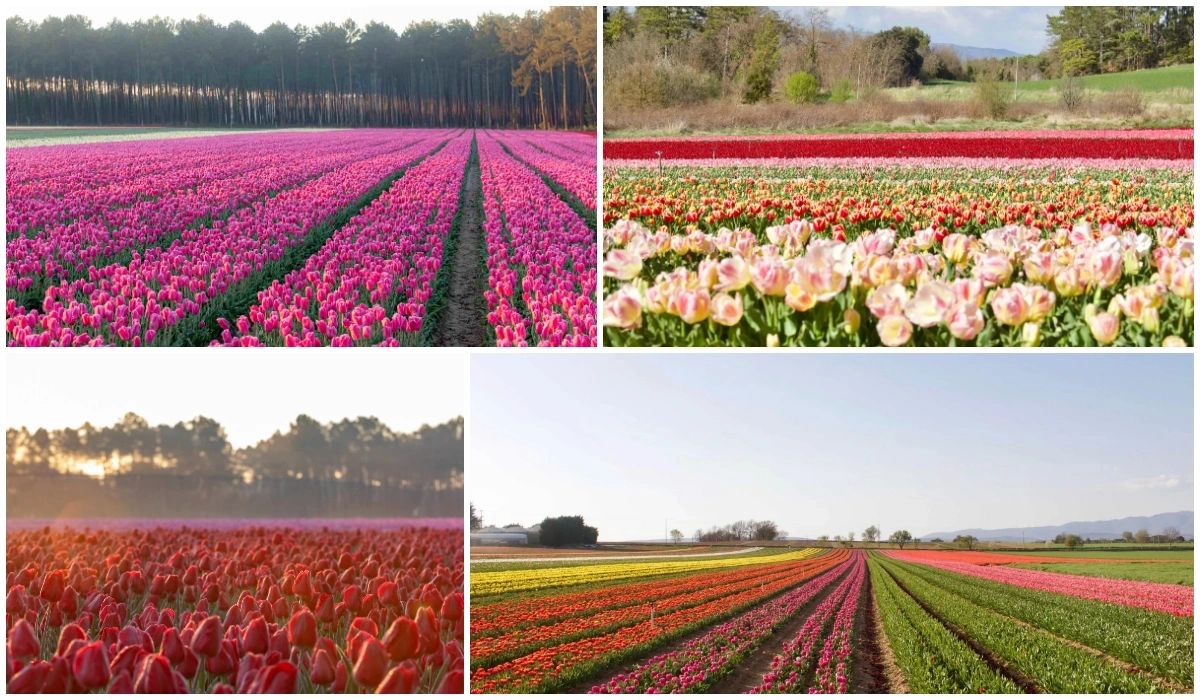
x: 824, y: 444
x: 250, y: 393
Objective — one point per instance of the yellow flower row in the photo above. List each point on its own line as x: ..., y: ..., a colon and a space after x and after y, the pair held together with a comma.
x: 493, y: 582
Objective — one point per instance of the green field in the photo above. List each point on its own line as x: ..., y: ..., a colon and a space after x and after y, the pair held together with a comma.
x: 1149, y: 80
x: 1157, y: 572
x: 53, y: 132
x: 1182, y: 553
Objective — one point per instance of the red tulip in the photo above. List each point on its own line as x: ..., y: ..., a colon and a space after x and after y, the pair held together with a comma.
x: 402, y: 679
x: 352, y: 597
x: 69, y: 634
x: 52, y: 586
x: 90, y: 666
x: 403, y: 640
x: 122, y: 684
x: 256, y: 638
x: 172, y: 646
x: 371, y: 663
x: 23, y: 641
x: 322, y: 672
x: 430, y: 634
x: 154, y: 675
x: 452, y: 606
x: 302, y: 629
x: 452, y: 684
x: 277, y: 678
x: 206, y: 640
x: 29, y: 679
x: 340, y: 677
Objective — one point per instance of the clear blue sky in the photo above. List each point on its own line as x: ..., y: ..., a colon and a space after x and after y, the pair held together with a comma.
x: 1016, y: 28
x: 828, y: 443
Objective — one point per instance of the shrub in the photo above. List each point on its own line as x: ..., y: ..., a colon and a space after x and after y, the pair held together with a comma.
x: 1070, y: 93
x: 1127, y: 102
x: 842, y: 91
x: 993, y: 97
x: 802, y: 88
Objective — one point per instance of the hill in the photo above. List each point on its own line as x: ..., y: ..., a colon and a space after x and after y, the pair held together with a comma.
x: 973, y: 53
x: 1184, y: 520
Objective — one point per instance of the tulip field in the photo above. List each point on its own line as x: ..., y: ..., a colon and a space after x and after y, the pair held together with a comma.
x: 235, y: 606
x: 1000, y: 239
x: 826, y: 620
x: 338, y: 238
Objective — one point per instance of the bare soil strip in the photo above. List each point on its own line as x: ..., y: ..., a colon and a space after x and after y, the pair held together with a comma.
x: 869, y: 665
x: 1023, y: 682
x: 463, y: 320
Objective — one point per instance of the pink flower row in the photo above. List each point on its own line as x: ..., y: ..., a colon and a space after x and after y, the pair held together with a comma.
x: 136, y: 303
x: 575, y: 172
x: 789, y: 666
x: 60, y: 183
x: 713, y: 653
x: 1064, y: 164
x: 66, y: 249
x: 541, y: 258
x: 1135, y: 134
x: 1163, y: 597
x: 369, y: 283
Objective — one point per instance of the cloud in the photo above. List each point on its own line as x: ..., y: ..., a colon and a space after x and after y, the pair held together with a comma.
x: 1160, y: 482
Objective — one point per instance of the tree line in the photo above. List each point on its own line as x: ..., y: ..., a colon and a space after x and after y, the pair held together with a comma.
x: 533, y: 70
x: 740, y: 531
x: 668, y: 56
x: 352, y: 467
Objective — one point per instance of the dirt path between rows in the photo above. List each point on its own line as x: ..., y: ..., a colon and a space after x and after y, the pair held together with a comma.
x: 749, y: 671
x: 462, y: 324
x: 872, y: 668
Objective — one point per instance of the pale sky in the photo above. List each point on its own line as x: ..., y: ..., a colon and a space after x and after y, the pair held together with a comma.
x: 1020, y: 29
x: 825, y: 443
x: 251, y: 393
x: 259, y: 15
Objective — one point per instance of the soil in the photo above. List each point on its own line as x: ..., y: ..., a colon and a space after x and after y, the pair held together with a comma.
x: 463, y: 322
x: 873, y: 669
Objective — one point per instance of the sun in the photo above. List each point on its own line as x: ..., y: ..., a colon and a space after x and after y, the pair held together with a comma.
x: 90, y: 468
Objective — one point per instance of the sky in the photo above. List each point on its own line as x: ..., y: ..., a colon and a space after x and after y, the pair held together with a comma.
x: 1020, y: 29
x: 828, y: 443
x: 252, y: 394
x: 259, y: 15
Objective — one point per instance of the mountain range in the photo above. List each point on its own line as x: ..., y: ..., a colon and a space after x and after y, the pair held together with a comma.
x: 971, y: 53
x: 1183, y: 520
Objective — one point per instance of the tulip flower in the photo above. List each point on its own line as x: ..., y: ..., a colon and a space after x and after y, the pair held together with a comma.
x: 23, y: 641
x: 403, y: 639
x: 90, y: 666
x: 371, y: 663
x: 302, y: 629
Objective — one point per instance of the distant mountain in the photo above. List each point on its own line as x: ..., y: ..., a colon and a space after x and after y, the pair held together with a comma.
x: 1183, y: 520
x: 971, y: 53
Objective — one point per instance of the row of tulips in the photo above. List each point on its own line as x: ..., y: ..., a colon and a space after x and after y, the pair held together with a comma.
x: 848, y: 201
x: 550, y: 667
x: 369, y: 283
x: 822, y: 645
x: 1171, y: 598
x: 248, y: 611
x: 1163, y: 143
x: 484, y: 583
x: 541, y: 257
x: 573, y: 171
x: 158, y: 297
x: 65, y: 251
x: 57, y: 184
x: 1014, y: 285
x: 1050, y: 643
x: 486, y: 651
x: 493, y: 619
x: 704, y: 659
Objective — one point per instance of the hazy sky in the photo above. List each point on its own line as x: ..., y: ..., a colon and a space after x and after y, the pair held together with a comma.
x: 1021, y: 29
x: 252, y: 394
x: 259, y: 15
x: 824, y: 444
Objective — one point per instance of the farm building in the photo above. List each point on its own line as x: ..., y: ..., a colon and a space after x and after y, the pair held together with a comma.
x: 512, y: 534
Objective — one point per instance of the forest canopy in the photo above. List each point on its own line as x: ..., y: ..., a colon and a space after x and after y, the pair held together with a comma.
x: 533, y: 70
x: 349, y: 467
